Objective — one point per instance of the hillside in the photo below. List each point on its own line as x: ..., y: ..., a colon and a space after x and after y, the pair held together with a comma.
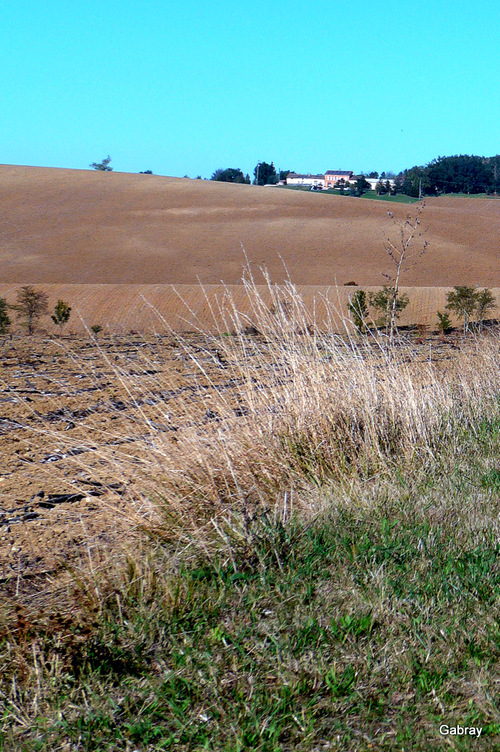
x: 85, y: 227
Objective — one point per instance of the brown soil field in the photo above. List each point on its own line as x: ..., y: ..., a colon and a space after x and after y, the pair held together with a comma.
x: 126, y: 251
x: 85, y: 227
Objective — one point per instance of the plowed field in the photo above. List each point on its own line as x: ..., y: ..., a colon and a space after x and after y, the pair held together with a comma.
x: 114, y: 244
x: 77, y: 226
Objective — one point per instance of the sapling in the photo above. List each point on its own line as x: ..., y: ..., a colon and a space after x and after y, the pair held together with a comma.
x: 62, y: 312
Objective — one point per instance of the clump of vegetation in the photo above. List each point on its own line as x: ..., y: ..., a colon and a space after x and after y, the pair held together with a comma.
x: 96, y: 328
x: 485, y: 303
x: 358, y: 307
x: 4, y: 316
x: 102, y: 166
x: 230, y: 175
x: 389, y: 306
x: 465, y: 301
x: 31, y: 305
x: 62, y: 312
x: 444, y: 322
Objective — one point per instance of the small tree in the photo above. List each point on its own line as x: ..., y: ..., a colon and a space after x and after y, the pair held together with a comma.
x: 96, y: 328
x: 485, y: 303
x: 360, y: 186
x: 102, y: 166
x: 462, y: 300
x: 61, y: 314
x: 444, y: 322
x: 389, y: 304
x: 358, y: 307
x: 31, y: 306
x: 4, y: 316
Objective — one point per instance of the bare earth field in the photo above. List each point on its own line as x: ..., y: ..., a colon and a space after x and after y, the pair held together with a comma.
x: 84, y: 227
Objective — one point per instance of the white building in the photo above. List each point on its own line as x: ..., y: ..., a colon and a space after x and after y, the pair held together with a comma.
x: 295, y: 178
x: 375, y: 181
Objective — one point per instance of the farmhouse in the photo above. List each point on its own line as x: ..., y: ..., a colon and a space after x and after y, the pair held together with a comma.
x: 327, y: 180
x: 332, y: 177
x: 294, y: 178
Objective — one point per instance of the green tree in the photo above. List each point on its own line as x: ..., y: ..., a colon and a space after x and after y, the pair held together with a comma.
x: 358, y: 307
x: 230, y: 175
x: 31, y: 306
x: 389, y: 305
x: 265, y: 174
x: 4, y: 316
x: 61, y: 314
x: 360, y: 186
x: 102, y: 166
x: 462, y: 300
x: 444, y: 322
x: 485, y: 303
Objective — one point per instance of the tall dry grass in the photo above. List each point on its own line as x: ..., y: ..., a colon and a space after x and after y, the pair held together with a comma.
x: 292, y: 413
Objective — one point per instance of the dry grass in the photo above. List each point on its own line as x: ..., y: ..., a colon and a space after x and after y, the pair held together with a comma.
x: 320, y: 565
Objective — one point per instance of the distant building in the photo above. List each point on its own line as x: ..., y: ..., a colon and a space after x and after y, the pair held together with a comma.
x: 295, y: 178
x: 332, y: 177
x: 375, y: 181
x: 329, y: 179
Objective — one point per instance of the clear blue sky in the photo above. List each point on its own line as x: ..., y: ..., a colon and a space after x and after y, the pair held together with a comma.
x: 188, y: 87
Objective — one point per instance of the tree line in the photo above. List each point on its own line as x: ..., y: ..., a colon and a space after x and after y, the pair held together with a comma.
x: 265, y: 173
x: 461, y: 173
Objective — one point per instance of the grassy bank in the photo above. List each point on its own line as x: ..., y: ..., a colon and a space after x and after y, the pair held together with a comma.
x: 318, y: 568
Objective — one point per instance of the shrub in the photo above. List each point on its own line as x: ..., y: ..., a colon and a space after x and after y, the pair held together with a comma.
x: 485, y: 302
x: 359, y: 309
x: 388, y: 306
x: 444, y: 322
x: 4, y: 316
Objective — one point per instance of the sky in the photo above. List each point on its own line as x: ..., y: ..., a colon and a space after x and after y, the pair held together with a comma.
x: 185, y: 88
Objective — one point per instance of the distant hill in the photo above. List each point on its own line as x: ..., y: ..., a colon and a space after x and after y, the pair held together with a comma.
x: 85, y: 227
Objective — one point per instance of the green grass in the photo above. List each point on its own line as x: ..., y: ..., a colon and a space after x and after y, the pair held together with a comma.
x: 471, y: 195
x: 400, y: 198
x: 365, y: 629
